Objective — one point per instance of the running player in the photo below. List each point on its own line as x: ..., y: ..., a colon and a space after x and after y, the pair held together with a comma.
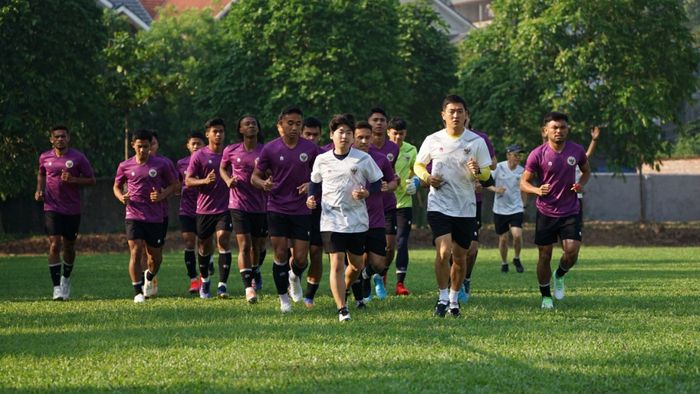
x: 246, y: 203
x: 283, y: 171
x: 459, y: 158
x: 144, y: 176
x: 407, y: 187
x: 343, y: 173
x: 62, y: 172
x: 188, y: 214
x: 554, y: 164
x: 212, y: 207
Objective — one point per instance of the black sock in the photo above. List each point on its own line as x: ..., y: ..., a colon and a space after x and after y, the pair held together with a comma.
x: 55, y: 271
x: 298, y: 271
x: 138, y: 288
x: 400, y: 277
x: 224, y: 266
x: 247, y: 277
x: 311, y: 289
x: 545, y: 290
x: 191, y: 263
x: 150, y: 275
x: 67, y: 269
x: 280, y: 276
x: 357, y: 289
x: 343, y: 311
x: 204, y: 265
x: 261, y: 258
x: 561, y: 271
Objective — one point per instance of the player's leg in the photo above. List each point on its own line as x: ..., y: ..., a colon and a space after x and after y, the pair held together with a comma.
x: 570, y: 234
x: 153, y: 255
x: 300, y: 229
x: 136, y: 251
x: 188, y: 227
x: 516, y: 231
x: 440, y: 227
x: 313, y: 277
x: 404, y: 218
x: 53, y: 232
x: 391, y: 228
x: 223, y: 240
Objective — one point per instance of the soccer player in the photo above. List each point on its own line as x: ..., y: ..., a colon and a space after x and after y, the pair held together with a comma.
x: 343, y: 172
x: 509, y: 205
x: 375, y: 240
x: 378, y: 120
x: 311, y: 131
x: 246, y: 203
x: 144, y: 177
x: 212, y: 207
x: 554, y: 164
x: 283, y: 171
x: 406, y: 188
x: 459, y: 158
x: 62, y: 172
x: 187, y: 213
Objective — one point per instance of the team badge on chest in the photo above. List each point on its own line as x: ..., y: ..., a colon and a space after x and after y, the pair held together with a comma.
x: 69, y: 163
x: 303, y: 157
x: 152, y: 173
x: 571, y: 160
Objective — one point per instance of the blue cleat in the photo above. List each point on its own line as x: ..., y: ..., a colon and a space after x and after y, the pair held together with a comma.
x: 379, y: 288
x: 204, y: 290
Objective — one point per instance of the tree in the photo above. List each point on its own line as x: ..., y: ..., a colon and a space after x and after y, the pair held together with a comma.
x: 626, y: 64
x: 49, y: 52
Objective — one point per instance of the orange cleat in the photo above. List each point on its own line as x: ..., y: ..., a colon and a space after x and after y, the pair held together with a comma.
x: 195, y: 284
x: 401, y: 289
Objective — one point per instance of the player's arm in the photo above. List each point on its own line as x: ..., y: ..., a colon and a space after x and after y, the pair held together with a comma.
x: 595, y: 133
x: 527, y: 186
x: 259, y: 180
x: 224, y: 173
x: 78, y: 180
x: 193, y: 181
x: 40, y: 183
x: 117, y: 190
x: 585, y: 176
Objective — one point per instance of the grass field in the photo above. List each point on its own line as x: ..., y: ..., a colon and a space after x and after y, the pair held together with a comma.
x: 629, y: 323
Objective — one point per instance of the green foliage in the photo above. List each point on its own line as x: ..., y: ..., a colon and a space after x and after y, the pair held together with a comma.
x: 626, y: 64
x: 47, y: 76
x: 626, y: 325
x: 688, y: 140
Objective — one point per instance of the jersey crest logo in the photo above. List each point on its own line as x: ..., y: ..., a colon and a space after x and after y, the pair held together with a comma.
x: 281, y: 158
x: 549, y: 163
x: 353, y: 170
x: 152, y: 172
x: 571, y: 160
x: 303, y: 157
x: 390, y: 156
x: 69, y: 163
x: 467, y: 151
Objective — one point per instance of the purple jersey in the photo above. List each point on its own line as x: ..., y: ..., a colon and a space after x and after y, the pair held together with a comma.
x: 289, y: 168
x: 327, y: 147
x: 559, y: 171
x: 391, y: 151
x: 243, y: 196
x: 375, y: 202
x: 141, y: 180
x: 59, y: 196
x: 212, y: 198
x: 188, y: 195
x: 492, y: 153
x: 173, y: 172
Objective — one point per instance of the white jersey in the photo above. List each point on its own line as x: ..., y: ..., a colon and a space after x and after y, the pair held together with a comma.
x: 510, y: 202
x: 340, y: 212
x: 449, y: 156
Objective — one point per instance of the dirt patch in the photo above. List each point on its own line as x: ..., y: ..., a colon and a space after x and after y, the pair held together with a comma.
x: 595, y: 234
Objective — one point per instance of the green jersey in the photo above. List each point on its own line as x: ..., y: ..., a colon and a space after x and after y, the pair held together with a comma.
x: 404, y: 170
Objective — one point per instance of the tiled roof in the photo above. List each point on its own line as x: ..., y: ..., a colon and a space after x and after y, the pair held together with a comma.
x: 676, y: 166
x: 152, y: 5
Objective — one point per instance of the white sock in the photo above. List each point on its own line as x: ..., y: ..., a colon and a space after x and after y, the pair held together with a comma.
x: 443, y: 296
x: 284, y: 298
x: 453, y: 297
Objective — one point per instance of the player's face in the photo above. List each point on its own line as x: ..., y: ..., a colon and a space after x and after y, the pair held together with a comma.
x: 216, y: 134
x: 154, y: 145
x: 363, y: 137
x: 289, y: 127
x: 249, y: 127
x: 378, y: 123
x: 556, y: 130
x: 194, y: 144
x: 396, y: 136
x: 513, y: 158
x: 343, y: 137
x: 142, y: 149
x: 455, y: 116
x: 312, y: 134
x: 59, y: 139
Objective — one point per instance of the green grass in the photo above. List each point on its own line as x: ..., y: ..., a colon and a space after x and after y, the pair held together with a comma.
x: 629, y: 323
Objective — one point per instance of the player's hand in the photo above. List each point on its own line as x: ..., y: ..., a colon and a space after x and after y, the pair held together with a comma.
x: 499, y: 190
x: 39, y: 195
x: 577, y: 188
x: 411, y: 187
x: 268, y: 185
x: 155, y: 195
x: 311, y: 202
x: 595, y: 133
x: 66, y: 176
x: 478, y: 187
x: 435, y: 181
x: 360, y: 193
x: 125, y: 198
x: 231, y: 183
x: 211, y: 177
x: 303, y: 188
x: 473, y: 166
x: 385, y: 186
x: 544, y: 189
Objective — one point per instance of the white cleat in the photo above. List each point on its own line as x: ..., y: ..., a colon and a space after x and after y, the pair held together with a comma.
x: 250, y: 295
x: 558, y: 287
x: 295, y: 287
x: 285, y: 305
x: 148, y: 286
x: 65, y: 287
x: 139, y: 298
x: 57, y: 293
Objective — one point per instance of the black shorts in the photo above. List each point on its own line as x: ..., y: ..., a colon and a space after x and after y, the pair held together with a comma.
x: 289, y: 226
x: 503, y: 223
x: 549, y: 229
x: 207, y: 225
x: 315, y: 235
x: 344, y: 242
x: 164, y: 229
x: 463, y: 230
x: 390, y: 222
x: 375, y: 241
x: 60, y: 224
x: 478, y: 215
x: 152, y: 233
x: 251, y: 223
x: 188, y: 224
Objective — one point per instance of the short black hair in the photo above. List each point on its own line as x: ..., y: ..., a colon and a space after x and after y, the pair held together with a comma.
x: 363, y: 124
x: 195, y: 134
x: 214, y: 122
x: 142, y: 134
x: 454, y: 99
x: 290, y: 110
x: 339, y: 120
x: 554, y: 115
x: 377, y: 110
x: 312, y: 122
x: 238, y: 125
x: 59, y: 127
x: 397, y: 123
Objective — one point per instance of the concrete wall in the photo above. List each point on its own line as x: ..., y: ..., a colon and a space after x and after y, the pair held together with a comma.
x: 606, y: 198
